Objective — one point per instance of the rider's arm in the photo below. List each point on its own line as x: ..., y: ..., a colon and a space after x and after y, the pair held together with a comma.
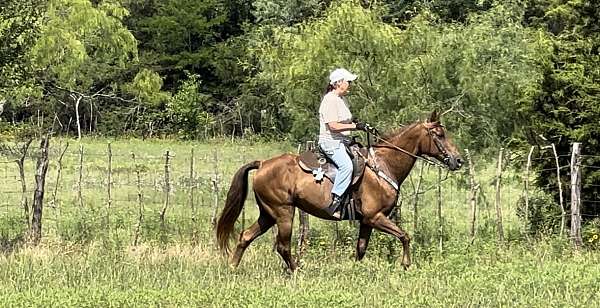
x: 340, y: 127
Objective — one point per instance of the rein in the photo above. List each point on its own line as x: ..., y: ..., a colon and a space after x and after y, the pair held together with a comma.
x: 425, y: 159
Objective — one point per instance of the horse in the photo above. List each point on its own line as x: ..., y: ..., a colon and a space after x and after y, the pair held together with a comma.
x: 280, y: 186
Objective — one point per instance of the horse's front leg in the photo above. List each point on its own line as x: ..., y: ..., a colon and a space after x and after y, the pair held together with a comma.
x: 382, y: 223
x: 364, y: 234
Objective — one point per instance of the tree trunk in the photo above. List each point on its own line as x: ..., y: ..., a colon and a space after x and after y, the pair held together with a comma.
x: 35, y: 232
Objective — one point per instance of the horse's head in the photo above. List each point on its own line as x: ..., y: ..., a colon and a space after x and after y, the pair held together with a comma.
x: 438, y: 145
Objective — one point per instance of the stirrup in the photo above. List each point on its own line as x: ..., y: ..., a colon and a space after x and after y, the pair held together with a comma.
x: 334, y: 209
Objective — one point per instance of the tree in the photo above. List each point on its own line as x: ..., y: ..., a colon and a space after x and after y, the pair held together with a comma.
x: 82, y: 49
x: 19, y: 28
x: 178, y: 36
x: 567, y: 109
x: 481, y: 69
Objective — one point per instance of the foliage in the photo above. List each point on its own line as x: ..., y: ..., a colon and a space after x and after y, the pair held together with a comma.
x: 449, y: 11
x: 263, y: 64
x: 542, y: 217
x: 80, y: 52
x: 287, y: 13
x: 406, y: 73
x: 82, y: 43
x: 178, y: 35
x: 188, y: 109
x: 567, y: 108
x: 19, y: 27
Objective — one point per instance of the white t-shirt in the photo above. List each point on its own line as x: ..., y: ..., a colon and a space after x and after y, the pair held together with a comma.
x: 333, y: 109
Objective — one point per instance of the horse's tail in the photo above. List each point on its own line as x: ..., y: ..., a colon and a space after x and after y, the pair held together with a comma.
x: 233, y: 205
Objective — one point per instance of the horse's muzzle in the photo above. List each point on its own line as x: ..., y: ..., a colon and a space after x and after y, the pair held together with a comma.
x: 454, y: 162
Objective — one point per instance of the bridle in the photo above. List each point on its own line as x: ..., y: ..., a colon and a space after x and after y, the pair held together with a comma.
x: 436, y: 140
x: 430, y: 126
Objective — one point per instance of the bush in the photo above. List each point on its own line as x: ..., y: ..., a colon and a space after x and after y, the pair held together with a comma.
x: 542, y: 216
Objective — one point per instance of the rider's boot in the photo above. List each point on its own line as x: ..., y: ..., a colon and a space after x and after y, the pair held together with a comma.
x: 335, y: 206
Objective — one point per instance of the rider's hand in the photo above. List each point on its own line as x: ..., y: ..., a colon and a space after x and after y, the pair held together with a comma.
x: 361, y: 126
x: 366, y: 127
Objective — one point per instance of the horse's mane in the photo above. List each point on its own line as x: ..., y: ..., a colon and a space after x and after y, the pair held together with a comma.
x: 398, y: 131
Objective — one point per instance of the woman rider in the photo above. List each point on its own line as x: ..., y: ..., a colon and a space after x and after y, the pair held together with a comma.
x: 335, y: 124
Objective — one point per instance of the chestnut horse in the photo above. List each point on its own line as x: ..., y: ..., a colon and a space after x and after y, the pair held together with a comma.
x: 280, y: 186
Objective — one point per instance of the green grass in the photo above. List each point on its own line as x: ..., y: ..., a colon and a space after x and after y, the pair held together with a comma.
x: 87, y: 260
x: 538, y: 276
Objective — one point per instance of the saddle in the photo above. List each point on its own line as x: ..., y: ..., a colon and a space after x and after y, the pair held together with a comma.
x: 316, y: 162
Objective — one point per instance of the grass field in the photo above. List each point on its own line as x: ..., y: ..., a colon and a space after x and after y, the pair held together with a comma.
x: 88, y: 260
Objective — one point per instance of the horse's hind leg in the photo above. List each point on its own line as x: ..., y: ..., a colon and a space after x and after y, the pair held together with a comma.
x: 264, y: 223
x: 284, y: 237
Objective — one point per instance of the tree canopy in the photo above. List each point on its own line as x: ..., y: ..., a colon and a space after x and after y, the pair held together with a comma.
x: 507, y: 71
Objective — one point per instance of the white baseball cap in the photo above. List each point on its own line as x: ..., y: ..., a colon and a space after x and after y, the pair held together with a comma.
x: 341, y: 74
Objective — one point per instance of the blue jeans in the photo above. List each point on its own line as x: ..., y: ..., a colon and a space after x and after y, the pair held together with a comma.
x: 342, y: 160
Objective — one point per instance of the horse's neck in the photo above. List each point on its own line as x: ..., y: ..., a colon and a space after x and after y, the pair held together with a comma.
x: 400, y: 164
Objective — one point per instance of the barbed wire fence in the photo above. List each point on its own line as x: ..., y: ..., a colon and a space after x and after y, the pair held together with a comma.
x: 120, y: 186
x: 190, y: 186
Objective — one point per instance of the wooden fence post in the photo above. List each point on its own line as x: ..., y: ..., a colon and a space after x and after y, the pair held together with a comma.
x: 416, y: 202
x: 527, y: 168
x: 80, y: 179
x: 55, y: 192
x: 473, y: 196
x: 304, y: 227
x: 167, y: 188
x: 192, y: 191
x: 563, y: 218
x: 35, y: 233
x: 140, y: 199
x: 243, y: 213
x: 109, y: 189
x: 58, y: 173
x: 498, y: 205
x: 576, y: 195
x: 215, y: 183
x: 439, y: 210
x: 21, y: 164
x: 398, y: 217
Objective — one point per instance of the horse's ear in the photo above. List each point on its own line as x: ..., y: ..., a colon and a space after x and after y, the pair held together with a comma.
x: 434, y: 117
